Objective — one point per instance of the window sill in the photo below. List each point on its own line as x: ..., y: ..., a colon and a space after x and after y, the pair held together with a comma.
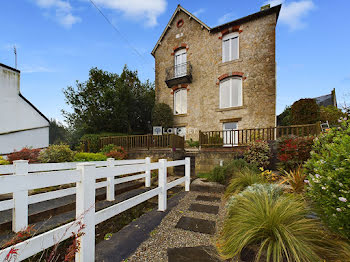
x: 230, y: 108
x: 181, y: 115
x: 231, y: 62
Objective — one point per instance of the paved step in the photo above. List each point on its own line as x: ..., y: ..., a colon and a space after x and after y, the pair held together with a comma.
x: 123, y: 243
x: 201, y: 185
x: 193, y: 254
x: 207, y: 198
x: 197, y: 225
x: 204, y: 208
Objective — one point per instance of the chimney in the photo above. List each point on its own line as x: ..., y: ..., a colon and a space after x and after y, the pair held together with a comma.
x: 264, y: 7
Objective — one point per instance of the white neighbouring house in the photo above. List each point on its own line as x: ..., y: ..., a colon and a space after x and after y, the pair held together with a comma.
x: 21, y: 123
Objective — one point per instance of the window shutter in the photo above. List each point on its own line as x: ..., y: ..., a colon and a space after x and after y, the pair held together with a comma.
x: 226, y: 50
x: 225, y: 94
x: 236, y: 87
x: 234, y: 48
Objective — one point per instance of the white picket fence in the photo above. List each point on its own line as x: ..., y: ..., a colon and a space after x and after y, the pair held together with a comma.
x: 24, y: 177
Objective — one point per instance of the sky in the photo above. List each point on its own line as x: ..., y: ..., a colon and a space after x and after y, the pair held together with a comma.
x: 59, y: 41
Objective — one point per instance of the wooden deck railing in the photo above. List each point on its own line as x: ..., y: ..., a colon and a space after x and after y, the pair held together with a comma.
x: 145, y: 141
x: 245, y: 136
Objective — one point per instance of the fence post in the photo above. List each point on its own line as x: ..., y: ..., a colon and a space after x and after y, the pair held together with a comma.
x: 110, y: 194
x: 148, y: 172
x: 85, y: 211
x: 162, y: 181
x: 187, y: 173
x: 20, y: 199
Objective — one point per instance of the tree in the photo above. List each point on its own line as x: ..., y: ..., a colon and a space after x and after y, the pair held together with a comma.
x: 57, y: 132
x: 108, y: 102
x: 284, y: 119
x: 305, y: 111
x: 331, y: 114
x: 162, y: 115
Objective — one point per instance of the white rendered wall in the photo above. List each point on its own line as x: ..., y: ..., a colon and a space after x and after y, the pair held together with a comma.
x: 37, y: 138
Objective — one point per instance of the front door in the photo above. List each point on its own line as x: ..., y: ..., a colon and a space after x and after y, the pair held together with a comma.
x: 180, y: 62
x: 230, y: 136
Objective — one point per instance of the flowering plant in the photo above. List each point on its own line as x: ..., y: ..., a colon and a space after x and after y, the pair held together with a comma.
x: 25, y: 153
x: 328, y: 179
x: 293, y: 151
x: 269, y: 175
x: 258, y: 153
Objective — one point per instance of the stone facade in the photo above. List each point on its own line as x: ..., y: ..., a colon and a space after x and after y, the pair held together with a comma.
x: 256, y: 65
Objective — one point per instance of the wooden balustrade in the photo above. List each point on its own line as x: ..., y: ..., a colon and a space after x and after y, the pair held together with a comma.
x: 145, y: 141
x: 245, y: 136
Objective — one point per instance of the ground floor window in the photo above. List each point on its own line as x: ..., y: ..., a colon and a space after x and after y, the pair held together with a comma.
x: 230, y: 133
x: 180, y: 101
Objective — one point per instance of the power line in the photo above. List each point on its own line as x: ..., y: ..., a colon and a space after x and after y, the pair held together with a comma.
x: 116, y: 29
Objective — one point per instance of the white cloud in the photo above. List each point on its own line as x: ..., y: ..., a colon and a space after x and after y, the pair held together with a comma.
x: 199, y: 12
x: 35, y: 69
x: 136, y: 9
x: 61, y: 10
x: 226, y: 18
x: 292, y: 13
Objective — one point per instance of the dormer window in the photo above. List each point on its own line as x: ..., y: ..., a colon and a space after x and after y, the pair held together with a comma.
x: 230, y: 47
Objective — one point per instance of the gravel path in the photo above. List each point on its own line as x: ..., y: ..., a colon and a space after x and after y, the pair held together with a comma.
x: 167, y: 236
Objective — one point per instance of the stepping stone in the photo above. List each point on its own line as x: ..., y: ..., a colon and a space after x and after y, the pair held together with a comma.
x: 196, y: 225
x: 193, y: 254
x: 204, y: 208
x: 207, y: 198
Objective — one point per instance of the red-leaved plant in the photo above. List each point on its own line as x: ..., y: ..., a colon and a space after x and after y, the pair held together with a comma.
x: 25, y: 154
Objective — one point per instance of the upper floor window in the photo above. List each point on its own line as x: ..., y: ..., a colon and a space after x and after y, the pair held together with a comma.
x: 180, y: 101
x: 231, y: 92
x: 180, y: 62
x: 230, y: 47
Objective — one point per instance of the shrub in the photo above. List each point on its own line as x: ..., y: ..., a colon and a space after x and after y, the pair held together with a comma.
x: 328, y: 172
x: 162, y: 115
x: 331, y: 114
x: 305, y: 111
x: 258, y: 153
x: 278, y: 226
x: 293, y: 151
x: 222, y: 174
x: 192, y: 143
x: 3, y: 161
x: 269, y: 175
x: 113, y: 151
x: 56, y: 154
x: 25, y: 154
x: 295, y: 178
x: 82, y: 157
x: 244, y: 178
x: 92, y: 141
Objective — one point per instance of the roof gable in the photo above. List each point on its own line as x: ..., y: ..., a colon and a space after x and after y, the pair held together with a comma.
x: 178, y: 9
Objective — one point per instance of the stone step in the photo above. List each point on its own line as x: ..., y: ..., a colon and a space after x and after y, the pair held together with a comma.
x: 193, y: 254
x: 207, y: 198
x: 201, y: 185
x: 197, y: 225
x: 204, y: 208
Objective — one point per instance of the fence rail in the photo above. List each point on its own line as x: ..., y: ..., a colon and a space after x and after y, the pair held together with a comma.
x: 245, y: 136
x: 145, y: 141
x: 23, y: 177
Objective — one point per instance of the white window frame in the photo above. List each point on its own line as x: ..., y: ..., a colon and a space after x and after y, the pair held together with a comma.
x: 177, y: 96
x: 180, y: 69
x: 229, y: 38
x: 230, y: 80
x: 230, y: 138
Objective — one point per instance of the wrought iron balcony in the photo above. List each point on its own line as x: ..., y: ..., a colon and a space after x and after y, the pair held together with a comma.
x: 179, y: 74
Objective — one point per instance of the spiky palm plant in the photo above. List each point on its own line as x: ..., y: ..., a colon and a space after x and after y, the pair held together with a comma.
x: 295, y: 178
x: 279, y: 227
x: 244, y: 178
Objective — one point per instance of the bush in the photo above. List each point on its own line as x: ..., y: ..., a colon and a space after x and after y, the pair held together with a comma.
x: 25, y: 154
x: 258, y: 153
x: 293, y: 151
x: 328, y: 172
x: 113, y: 151
x: 192, y: 143
x: 56, y: 154
x: 85, y: 157
x: 162, y: 115
x: 222, y: 174
x: 92, y: 141
x: 277, y: 227
x: 331, y: 114
x: 244, y: 178
x: 295, y: 178
x: 3, y: 161
x: 305, y: 111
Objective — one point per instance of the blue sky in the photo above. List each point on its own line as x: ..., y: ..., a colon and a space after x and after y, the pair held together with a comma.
x: 58, y: 41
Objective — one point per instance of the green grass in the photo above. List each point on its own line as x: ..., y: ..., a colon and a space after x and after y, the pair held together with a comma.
x: 279, y: 229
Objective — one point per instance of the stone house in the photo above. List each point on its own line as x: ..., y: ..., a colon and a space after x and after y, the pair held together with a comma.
x: 219, y: 78
x: 22, y: 124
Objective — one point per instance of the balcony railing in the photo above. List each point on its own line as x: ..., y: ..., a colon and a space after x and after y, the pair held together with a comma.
x: 179, y: 74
